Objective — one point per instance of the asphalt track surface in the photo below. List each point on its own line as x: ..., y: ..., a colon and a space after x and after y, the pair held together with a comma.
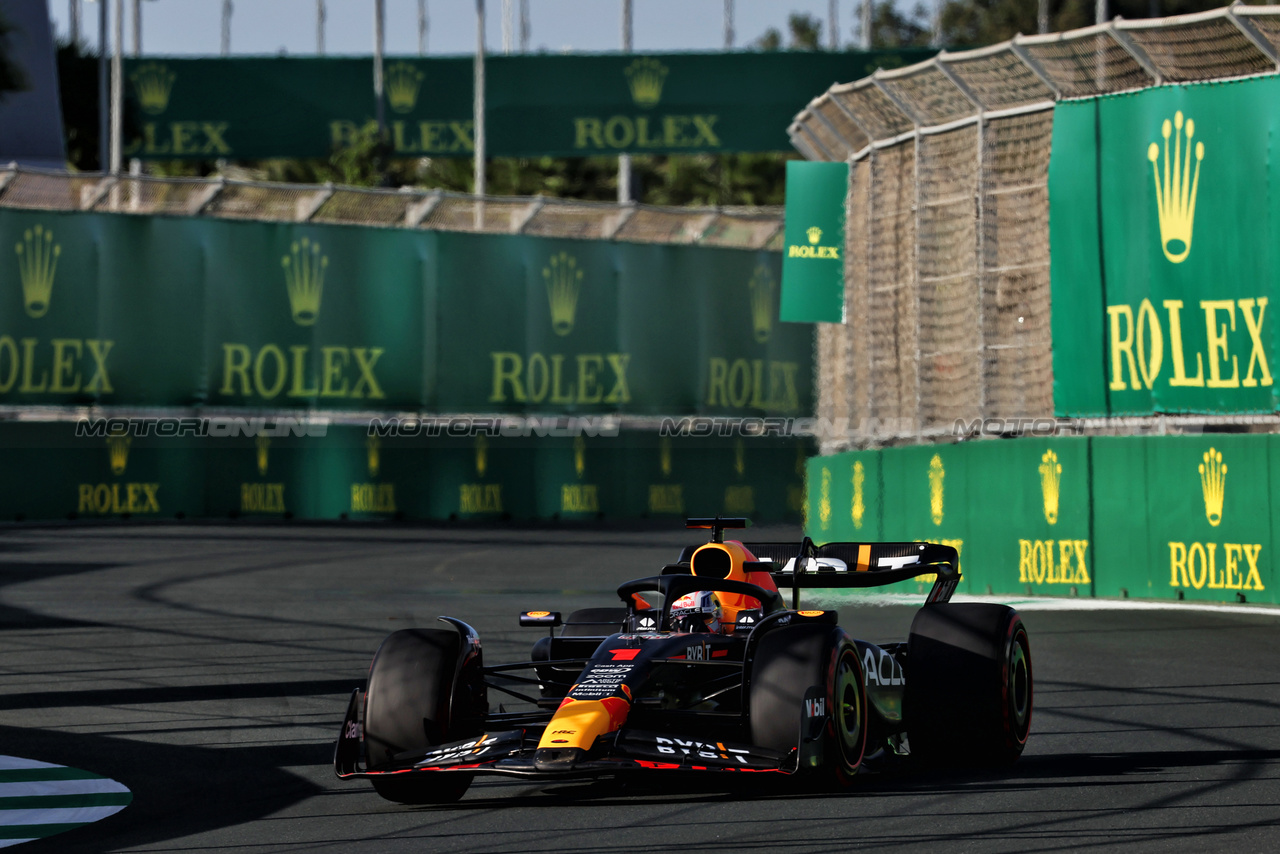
x: 207, y: 668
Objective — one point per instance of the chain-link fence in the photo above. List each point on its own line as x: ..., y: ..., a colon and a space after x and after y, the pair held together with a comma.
x: 735, y: 227
x: 947, y: 245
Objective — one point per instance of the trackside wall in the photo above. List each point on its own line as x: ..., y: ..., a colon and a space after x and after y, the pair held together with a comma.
x: 1163, y: 517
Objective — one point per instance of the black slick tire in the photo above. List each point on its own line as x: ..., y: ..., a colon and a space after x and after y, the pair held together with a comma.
x: 407, y: 707
x: 787, y: 663
x: 969, y: 685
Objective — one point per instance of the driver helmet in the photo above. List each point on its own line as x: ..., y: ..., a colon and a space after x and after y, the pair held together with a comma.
x: 696, y: 612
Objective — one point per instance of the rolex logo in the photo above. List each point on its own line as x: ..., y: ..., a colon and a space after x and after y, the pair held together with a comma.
x: 304, y: 268
x: 814, y: 233
x: 1176, y: 191
x: 482, y: 455
x: 579, y: 456
x: 153, y: 81
x: 372, y: 447
x: 1213, y: 483
x: 761, y: 286
x: 936, y: 475
x: 403, y: 81
x: 824, y: 500
x: 564, y: 282
x: 645, y: 77
x: 263, y: 444
x: 118, y: 451
x: 37, y: 265
x: 859, y: 506
x: 1050, y: 478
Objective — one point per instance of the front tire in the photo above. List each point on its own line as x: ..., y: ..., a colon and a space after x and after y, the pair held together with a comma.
x: 788, y: 662
x: 408, y: 707
x: 969, y: 685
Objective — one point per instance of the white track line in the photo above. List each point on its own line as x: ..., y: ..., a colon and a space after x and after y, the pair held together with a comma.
x: 1047, y: 603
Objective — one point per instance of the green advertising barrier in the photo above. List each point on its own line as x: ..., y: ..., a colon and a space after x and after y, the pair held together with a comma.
x: 342, y: 472
x: 1163, y: 231
x: 537, y: 105
x: 812, y: 260
x: 154, y: 311
x: 1149, y: 517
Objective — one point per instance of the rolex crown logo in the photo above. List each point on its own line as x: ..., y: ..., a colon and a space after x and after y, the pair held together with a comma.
x: 740, y: 458
x: 118, y: 451
x: 664, y: 455
x: 372, y: 447
x: 936, y: 475
x: 263, y: 444
x: 579, y: 456
x: 824, y: 500
x: 1050, y: 479
x: 403, y: 81
x: 482, y: 455
x: 762, y: 287
x: 1176, y: 191
x: 564, y: 282
x: 645, y: 77
x: 304, y: 268
x: 37, y: 265
x: 1213, y: 483
x: 815, y: 233
x: 859, y: 506
x: 153, y: 81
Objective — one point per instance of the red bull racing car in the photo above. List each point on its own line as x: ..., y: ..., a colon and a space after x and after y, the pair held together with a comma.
x: 703, y: 668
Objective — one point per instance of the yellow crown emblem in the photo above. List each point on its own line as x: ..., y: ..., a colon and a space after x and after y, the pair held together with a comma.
x: 37, y: 265
x: 403, y: 81
x: 118, y: 451
x: 304, y: 268
x: 1050, y: 478
x: 859, y: 507
x: 664, y: 455
x: 564, y: 281
x: 482, y: 455
x: 645, y: 77
x: 263, y: 443
x: 153, y: 81
x: 579, y: 456
x: 740, y: 457
x: 1213, y: 483
x: 761, y: 286
x: 815, y: 233
x: 372, y: 445
x: 824, y: 500
x: 936, y: 475
x: 1176, y: 193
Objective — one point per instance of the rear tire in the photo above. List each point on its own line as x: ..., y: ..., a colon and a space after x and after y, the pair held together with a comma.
x: 969, y: 685
x: 407, y: 707
x: 788, y: 662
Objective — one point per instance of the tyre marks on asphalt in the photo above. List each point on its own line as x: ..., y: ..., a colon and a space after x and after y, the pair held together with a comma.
x: 39, y: 799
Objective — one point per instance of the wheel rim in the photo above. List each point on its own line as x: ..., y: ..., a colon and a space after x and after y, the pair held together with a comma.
x: 848, y: 711
x: 1020, y: 686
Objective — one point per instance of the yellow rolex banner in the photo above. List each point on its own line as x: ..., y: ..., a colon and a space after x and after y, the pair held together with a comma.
x: 1163, y: 233
x: 813, y: 255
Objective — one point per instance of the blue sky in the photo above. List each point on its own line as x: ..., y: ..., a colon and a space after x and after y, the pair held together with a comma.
x: 273, y: 26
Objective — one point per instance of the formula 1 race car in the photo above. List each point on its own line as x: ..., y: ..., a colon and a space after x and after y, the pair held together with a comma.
x: 704, y: 668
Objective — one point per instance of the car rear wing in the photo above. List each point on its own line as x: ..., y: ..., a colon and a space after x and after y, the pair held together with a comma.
x: 856, y: 565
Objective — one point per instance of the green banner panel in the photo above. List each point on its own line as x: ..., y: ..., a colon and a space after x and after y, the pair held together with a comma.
x: 537, y: 105
x: 1163, y: 228
x: 273, y: 470
x: 813, y: 256
x: 141, y: 310
x: 1148, y: 517
x: 250, y: 108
